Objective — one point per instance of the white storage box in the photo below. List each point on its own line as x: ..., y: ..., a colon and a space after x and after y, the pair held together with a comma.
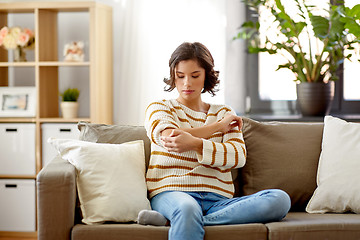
x: 17, y: 149
x: 17, y: 205
x: 63, y: 130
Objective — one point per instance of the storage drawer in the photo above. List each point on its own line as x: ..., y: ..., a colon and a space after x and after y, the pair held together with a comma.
x: 17, y: 205
x: 63, y: 130
x: 17, y: 149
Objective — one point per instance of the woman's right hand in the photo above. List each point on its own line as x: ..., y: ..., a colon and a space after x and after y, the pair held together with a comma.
x: 229, y: 122
x: 181, y: 141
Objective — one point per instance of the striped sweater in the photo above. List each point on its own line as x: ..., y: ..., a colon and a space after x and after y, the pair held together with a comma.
x: 190, y: 171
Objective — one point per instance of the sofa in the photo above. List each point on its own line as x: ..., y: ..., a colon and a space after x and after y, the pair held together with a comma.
x: 283, y: 155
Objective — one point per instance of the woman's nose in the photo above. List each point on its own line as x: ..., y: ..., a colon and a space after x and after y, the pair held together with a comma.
x: 186, y: 81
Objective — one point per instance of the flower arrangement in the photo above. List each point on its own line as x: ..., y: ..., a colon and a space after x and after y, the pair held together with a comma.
x: 17, y: 39
x: 12, y: 38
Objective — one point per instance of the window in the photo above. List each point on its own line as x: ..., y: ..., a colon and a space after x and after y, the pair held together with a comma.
x: 351, y: 79
x: 275, y: 91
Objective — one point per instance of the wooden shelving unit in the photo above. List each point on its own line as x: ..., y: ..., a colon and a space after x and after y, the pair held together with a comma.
x: 46, y: 65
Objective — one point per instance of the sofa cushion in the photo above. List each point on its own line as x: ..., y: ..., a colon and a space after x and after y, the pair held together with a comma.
x: 141, y: 232
x: 110, y: 178
x: 115, y: 134
x: 338, y: 173
x: 301, y: 225
x: 284, y: 156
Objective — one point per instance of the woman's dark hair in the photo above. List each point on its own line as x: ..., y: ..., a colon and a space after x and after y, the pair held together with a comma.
x: 194, y: 51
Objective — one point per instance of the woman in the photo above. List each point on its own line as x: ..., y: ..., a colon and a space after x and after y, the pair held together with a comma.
x: 194, y: 147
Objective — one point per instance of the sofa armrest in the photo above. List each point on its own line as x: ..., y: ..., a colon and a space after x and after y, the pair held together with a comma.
x: 56, y: 199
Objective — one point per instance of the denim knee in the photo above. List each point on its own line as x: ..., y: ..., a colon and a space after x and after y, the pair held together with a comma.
x: 187, y: 222
x: 190, y: 211
x: 280, y: 204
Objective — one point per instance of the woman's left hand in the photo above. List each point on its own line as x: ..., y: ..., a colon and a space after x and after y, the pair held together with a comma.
x: 180, y: 141
x: 229, y: 122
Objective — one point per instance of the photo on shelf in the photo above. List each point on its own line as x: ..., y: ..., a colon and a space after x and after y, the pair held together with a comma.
x: 17, y: 101
x: 74, y: 52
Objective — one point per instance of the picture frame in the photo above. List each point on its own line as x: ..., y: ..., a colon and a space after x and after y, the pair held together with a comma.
x: 17, y: 101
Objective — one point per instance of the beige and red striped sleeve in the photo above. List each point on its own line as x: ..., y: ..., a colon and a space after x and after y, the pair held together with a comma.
x: 229, y: 154
x: 158, y: 117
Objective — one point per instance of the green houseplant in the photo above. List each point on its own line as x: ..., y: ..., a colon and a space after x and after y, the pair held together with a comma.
x: 314, y: 46
x: 69, y: 104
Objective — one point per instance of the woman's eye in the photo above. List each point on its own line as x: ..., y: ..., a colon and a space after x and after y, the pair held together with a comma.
x: 195, y: 76
x: 180, y: 76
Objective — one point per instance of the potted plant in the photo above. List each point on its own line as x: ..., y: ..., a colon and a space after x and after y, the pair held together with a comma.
x: 314, y: 45
x: 69, y: 105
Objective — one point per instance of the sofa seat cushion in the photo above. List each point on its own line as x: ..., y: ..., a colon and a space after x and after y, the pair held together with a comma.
x: 135, y: 231
x: 119, y: 231
x: 301, y: 225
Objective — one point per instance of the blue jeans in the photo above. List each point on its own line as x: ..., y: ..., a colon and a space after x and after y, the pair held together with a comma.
x: 189, y: 212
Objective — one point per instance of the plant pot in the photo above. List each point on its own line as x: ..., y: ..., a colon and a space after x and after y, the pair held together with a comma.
x: 69, y: 109
x: 315, y: 99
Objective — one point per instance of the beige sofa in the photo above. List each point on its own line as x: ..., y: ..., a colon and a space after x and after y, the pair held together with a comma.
x: 280, y: 155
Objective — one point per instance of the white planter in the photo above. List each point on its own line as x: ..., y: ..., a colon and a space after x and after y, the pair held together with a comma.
x: 69, y: 109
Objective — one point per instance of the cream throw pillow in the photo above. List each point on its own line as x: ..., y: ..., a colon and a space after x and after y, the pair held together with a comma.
x: 338, y: 175
x: 110, y: 178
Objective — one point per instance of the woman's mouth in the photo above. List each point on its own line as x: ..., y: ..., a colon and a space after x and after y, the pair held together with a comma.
x: 188, y: 91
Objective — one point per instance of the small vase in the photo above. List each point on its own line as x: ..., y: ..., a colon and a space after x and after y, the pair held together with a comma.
x: 19, y: 55
x: 69, y: 109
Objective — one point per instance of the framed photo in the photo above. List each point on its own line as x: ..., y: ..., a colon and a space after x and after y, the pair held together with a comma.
x: 17, y: 101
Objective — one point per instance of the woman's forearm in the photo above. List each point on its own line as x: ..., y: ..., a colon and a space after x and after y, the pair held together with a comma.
x: 204, y: 131
x: 199, y: 132
x: 226, y: 124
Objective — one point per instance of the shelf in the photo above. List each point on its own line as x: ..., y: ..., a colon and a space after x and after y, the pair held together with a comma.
x: 56, y: 24
x: 17, y: 176
x: 77, y: 6
x: 63, y: 64
x: 17, y: 120
x: 63, y: 120
x: 44, y: 64
x: 17, y: 64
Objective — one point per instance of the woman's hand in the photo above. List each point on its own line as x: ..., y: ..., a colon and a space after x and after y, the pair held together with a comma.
x: 229, y: 122
x: 180, y: 141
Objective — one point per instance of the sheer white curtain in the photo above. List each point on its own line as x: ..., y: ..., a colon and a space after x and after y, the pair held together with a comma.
x: 149, y: 32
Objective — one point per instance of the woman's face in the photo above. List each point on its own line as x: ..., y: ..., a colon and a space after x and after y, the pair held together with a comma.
x: 189, y: 80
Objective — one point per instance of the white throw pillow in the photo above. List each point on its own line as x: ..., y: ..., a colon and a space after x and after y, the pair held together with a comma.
x: 338, y: 176
x: 110, y: 178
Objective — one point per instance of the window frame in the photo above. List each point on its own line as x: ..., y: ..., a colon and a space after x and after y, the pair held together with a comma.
x: 289, y: 107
